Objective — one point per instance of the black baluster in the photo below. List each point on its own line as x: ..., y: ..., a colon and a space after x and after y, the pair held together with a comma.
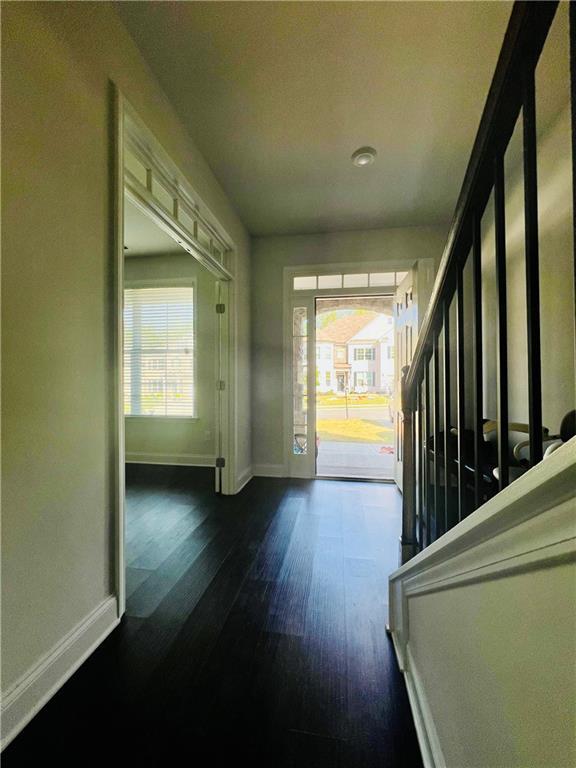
x: 420, y: 472
x: 425, y: 441
x: 438, y: 517
x: 502, y: 327
x: 477, y: 354
x: 448, y: 506
x: 532, y: 270
x: 461, y: 393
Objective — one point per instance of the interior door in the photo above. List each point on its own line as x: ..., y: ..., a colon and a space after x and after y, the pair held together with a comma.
x: 406, y: 333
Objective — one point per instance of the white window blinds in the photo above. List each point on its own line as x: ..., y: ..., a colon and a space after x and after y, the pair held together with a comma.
x: 159, y: 351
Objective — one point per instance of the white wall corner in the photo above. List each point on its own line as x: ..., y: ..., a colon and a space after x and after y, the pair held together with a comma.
x: 39, y: 683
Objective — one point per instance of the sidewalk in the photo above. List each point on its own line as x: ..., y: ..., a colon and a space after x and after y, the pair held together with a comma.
x: 343, y: 459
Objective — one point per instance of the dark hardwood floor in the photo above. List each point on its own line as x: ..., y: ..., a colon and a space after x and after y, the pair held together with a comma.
x: 255, y: 631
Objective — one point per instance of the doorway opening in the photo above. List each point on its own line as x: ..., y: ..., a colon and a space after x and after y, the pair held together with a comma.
x: 354, y: 387
x: 174, y: 334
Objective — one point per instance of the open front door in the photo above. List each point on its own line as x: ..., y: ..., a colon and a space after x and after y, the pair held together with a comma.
x: 406, y: 333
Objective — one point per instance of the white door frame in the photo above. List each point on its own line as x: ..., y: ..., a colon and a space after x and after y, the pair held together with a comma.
x: 198, y: 231
x: 299, y: 465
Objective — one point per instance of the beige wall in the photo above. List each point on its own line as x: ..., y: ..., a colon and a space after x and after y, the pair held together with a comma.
x: 180, y: 440
x: 269, y: 257
x: 58, y: 60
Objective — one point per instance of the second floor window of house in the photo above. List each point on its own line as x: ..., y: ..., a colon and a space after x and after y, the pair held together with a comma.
x: 365, y: 353
x: 340, y: 353
x: 159, y: 352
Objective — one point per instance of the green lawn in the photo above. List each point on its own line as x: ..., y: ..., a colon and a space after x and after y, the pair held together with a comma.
x: 353, y: 399
x: 354, y: 431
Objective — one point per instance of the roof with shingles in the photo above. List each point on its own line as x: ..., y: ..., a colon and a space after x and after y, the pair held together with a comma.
x: 378, y: 328
x: 341, y: 330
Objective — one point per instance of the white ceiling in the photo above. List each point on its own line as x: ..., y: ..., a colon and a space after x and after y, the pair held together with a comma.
x: 278, y: 95
x: 142, y: 236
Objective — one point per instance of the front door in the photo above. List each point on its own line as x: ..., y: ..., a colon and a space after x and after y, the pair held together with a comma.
x: 354, y: 336
x: 341, y: 370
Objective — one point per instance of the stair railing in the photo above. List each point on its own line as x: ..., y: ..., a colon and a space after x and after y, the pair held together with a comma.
x: 444, y: 478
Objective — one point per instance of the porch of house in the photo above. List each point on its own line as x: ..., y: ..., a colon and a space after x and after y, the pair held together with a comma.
x: 372, y: 461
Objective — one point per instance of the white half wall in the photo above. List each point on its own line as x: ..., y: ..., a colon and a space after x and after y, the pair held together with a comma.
x: 484, y: 626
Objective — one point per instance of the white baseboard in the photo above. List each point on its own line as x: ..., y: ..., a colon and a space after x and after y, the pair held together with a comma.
x: 269, y: 470
x: 37, y: 686
x: 428, y: 741
x: 170, y: 459
x: 244, y: 479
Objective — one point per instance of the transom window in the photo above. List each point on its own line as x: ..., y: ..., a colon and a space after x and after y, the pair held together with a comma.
x: 345, y: 280
x: 159, y: 351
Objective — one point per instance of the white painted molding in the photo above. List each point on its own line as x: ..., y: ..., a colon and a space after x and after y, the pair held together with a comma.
x: 184, y: 459
x: 37, y: 686
x: 547, y: 484
x: 243, y: 479
x: 529, y: 526
x: 269, y: 470
x: 157, y: 166
x: 428, y: 741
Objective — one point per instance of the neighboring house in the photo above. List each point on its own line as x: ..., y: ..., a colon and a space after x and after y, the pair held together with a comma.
x: 356, y: 353
x: 371, y: 356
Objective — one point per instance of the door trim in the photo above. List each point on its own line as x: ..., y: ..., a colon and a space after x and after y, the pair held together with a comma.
x: 217, y: 254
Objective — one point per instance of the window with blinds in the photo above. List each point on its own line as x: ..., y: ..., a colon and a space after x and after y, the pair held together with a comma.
x: 159, y: 351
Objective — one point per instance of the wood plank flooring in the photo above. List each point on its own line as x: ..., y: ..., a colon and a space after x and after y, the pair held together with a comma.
x: 254, y: 631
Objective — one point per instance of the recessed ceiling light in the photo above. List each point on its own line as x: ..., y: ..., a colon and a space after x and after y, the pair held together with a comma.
x: 364, y: 156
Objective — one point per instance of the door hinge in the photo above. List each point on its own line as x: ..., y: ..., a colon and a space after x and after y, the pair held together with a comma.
x: 220, y: 309
x: 220, y: 462
x: 221, y: 385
